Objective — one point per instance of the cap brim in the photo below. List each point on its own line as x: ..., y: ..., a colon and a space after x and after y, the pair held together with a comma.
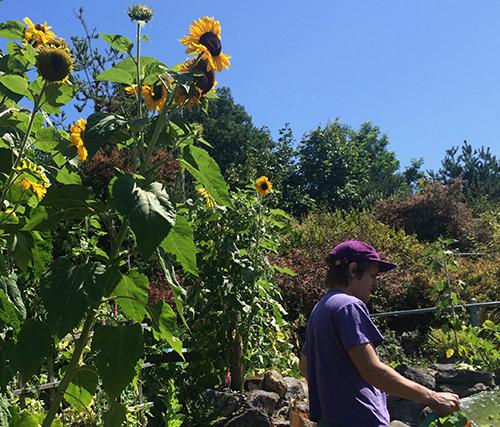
x: 384, y: 266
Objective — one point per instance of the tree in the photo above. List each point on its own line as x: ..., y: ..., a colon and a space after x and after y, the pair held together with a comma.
x: 341, y: 168
x: 478, y: 168
x: 243, y: 151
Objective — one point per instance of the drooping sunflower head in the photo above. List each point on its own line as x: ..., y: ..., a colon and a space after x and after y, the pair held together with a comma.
x: 263, y: 186
x: 77, y: 133
x: 140, y: 13
x: 37, y: 34
x: 205, y: 38
x: 155, y: 96
x: 54, y: 63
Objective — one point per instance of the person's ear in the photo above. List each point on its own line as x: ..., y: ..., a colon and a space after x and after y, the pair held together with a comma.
x: 353, y: 267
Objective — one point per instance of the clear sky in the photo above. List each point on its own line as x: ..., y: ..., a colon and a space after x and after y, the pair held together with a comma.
x: 427, y: 72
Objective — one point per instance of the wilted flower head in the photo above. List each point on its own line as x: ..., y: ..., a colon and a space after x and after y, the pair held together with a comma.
x: 140, y: 13
x: 37, y: 34
x: 54, y: 63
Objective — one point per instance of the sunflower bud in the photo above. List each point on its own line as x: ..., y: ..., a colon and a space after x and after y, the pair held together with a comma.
x: 53, y: 63
x: 140, y: 12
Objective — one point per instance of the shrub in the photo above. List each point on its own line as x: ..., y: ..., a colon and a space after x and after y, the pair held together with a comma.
x: 436, y: 211
x: 407, y: 287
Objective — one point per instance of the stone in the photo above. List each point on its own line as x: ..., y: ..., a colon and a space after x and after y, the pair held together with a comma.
x: 224, y: 403
x: 263, y: 400
x: 443, y: 366
x: 294, y: 389
x: 418, y: 375
x: 464, y: 377
x: 250, y: 418
x: 253, y: 383
x: 405, y: 411
x: 397, y: 423
x: 280, y: 422
x: 463, y: 390
x: 273, y: 381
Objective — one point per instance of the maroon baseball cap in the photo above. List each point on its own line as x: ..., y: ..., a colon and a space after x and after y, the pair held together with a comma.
x: 357, y: 251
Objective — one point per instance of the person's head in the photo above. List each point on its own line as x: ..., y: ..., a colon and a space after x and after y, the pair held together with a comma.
x: 354, y: 266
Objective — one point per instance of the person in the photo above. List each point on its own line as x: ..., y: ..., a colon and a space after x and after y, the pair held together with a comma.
x: 347, y: 381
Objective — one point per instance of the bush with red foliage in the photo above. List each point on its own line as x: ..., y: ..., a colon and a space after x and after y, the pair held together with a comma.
x: 436, y: 211
x: 102, y: 167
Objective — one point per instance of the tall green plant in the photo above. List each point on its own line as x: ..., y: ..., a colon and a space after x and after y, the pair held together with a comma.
x: 80, y: 291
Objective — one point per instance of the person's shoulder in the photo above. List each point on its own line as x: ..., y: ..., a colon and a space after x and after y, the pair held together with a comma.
x: 341, y: 299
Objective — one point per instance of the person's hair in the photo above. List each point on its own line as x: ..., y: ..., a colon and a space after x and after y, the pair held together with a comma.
x: 337, y: 276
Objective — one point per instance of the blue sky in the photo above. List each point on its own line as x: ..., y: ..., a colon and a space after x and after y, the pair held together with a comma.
x: 426, y: 72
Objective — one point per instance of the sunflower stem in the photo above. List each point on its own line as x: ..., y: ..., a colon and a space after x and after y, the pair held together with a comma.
x: 139, y: 91
x: 13, y: 172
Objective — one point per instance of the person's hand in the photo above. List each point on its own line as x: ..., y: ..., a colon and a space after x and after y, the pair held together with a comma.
x: 444, y: 404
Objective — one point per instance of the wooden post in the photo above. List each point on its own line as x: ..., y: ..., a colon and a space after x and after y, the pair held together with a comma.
x: 236, y: 362
x: 473, y: 313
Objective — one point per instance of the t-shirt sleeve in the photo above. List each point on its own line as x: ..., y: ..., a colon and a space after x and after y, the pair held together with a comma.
x: 355, y: 327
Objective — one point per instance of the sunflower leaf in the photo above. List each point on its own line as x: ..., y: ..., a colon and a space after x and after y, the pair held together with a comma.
x: 12, y: 30
x: 118, y: 42
x: 116, y: 75
x: 15, y: 83
x: 206, y: 171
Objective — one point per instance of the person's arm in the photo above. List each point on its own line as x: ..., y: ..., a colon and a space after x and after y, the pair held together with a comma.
x: 303, y: 365
x: 378, y: 374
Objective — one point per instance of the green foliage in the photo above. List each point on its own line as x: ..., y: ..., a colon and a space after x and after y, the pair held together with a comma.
x: 117, y: 372
x: 479, y: 169
x: 341, y: 168
x: 82, y: 388
x: 477, y: 346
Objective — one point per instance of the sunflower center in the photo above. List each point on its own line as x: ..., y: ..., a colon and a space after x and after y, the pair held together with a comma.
x: 212, y: 42
x: 40, y: 27
x: 264, y: 186
x: 157, y: 92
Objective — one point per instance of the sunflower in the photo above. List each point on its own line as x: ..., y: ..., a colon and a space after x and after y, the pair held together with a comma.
x: 204, y: 38
x: 204, y: 82
x: 207, y: 198
x: 37, y: 34
x: 34, y: 170
x: 77, y: 131
x: 263, y: 186
x: 154, y: 96
x: 54, y: 61
x: 38, y: 189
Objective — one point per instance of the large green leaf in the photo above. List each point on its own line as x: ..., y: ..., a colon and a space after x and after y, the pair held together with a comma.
x: 22, y: 250
x: 60, y: 203
x: 116, y: 415
x: 128, y: 65
x: 64, y: 294
x: 47, y: 140
x: 116, y: 75
x: 117, y: 350
x: 118, y: 42
x: 109, y: 280
x: 180, y: 243
x: 15, y: 83
x: 206, y: 171
x: 9, y: 315
x: 55, y: 96
x: 42, y: 253
x: 65, y: 176
x: 132, y: 294
x: 163, y: 323
x: 178, y: 290
x: 9, y: 285
x: 12, y: 30
x: 104, y: 128
x: 33, y: 345
x: 82, y: 387
x: 149, y: 212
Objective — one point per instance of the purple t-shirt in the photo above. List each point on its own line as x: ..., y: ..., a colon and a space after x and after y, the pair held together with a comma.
x: 337, y: 392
